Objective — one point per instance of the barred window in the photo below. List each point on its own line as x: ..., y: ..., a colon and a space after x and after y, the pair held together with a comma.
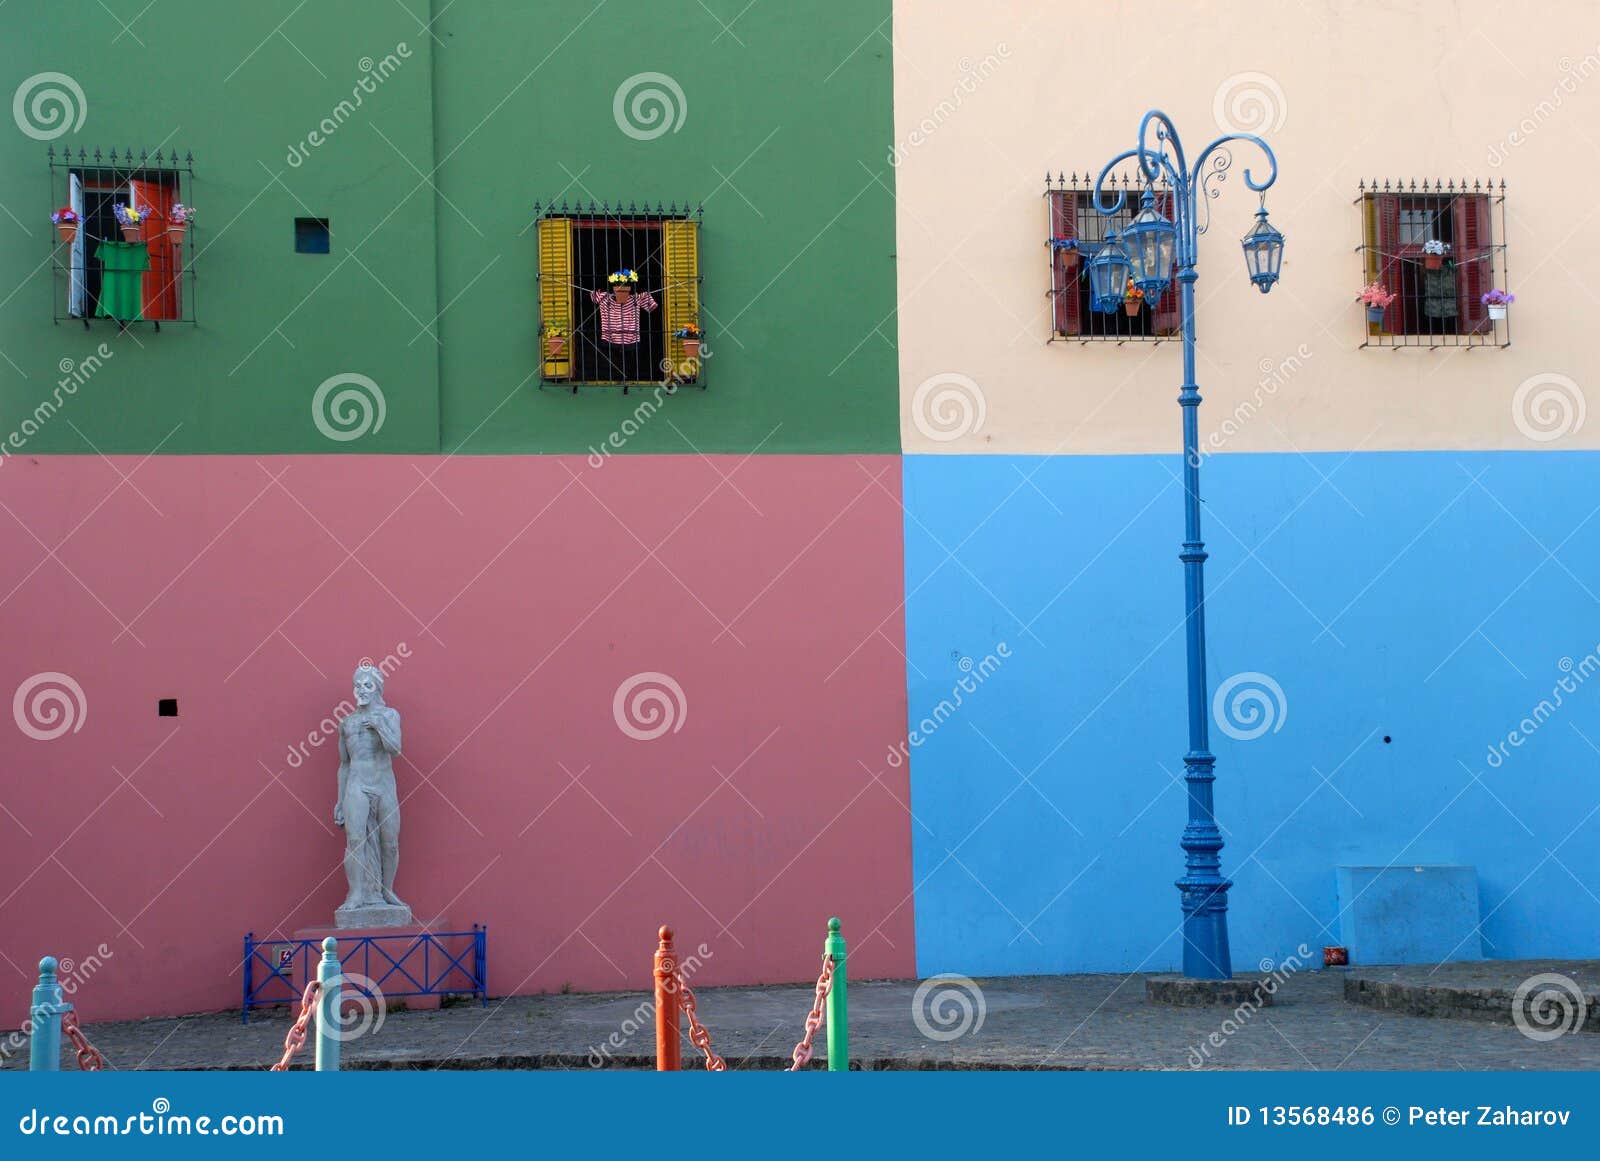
x: 110, y: 264
x: 1437, y: 248
x: 1077, y: 231
x: 619, y: 296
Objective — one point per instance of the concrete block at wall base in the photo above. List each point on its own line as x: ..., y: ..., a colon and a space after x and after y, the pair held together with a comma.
x: 1409, y: 914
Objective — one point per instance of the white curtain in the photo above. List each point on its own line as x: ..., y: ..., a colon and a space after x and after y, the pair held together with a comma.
x: 76, y: 286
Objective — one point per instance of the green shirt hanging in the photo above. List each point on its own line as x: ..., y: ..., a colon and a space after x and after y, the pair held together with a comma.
x: 122, y: 279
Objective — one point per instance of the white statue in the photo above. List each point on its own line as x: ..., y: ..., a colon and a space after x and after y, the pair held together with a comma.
x: 369, y: 808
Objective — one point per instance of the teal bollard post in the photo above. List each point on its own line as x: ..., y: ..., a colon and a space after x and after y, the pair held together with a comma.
x: 330, y: 973
x: 44, y: 1041
x: 838, y: 1004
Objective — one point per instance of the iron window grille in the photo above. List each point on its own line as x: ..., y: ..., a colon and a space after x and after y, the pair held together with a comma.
x: 1438, y: 296
x: 577, y: 250
x: 91, y: 185
x: 1077, y: 230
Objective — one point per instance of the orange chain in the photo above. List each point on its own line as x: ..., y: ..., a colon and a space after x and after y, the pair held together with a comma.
x: 698, y: 1036
x: 296, y: 1039
x: 802, y: 1050
x: 89, y: 1058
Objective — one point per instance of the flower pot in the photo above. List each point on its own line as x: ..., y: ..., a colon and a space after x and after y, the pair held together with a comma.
x: 1497, y: 312
x: 68, y: 231
x: 1069, y: 259
x: 131, y: 234
x: 555, y: 346
x: 1375, y: 313
x: 175, y: 232
x: 691, y: 348
x: 1433, y: 261
x: 1130, y: 307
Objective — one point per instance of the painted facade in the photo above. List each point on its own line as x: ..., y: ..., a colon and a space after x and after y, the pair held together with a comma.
x: 908, y: 570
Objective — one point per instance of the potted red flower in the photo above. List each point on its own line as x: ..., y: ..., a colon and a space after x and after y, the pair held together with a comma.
x: 66, y: 223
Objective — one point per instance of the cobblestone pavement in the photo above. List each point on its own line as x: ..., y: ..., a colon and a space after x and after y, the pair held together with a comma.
x: 1069, y: 1022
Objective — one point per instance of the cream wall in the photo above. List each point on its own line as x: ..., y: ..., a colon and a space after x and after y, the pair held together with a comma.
x: 990, y: 96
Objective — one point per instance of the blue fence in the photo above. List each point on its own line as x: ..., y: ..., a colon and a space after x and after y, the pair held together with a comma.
x: 393, y: 966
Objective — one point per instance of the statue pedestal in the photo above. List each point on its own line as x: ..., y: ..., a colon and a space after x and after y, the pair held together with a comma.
x: 399, y: 956
x: 373, y: 915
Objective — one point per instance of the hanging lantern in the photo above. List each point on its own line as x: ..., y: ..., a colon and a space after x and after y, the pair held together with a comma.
x: 1108, y: 275
x: 1152, y: 242
x: 1263, y: 252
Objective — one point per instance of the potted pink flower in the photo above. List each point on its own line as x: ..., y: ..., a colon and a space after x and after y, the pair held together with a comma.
x: 1377, y: 298
x: 178, y: 222
x: 1497, y: 301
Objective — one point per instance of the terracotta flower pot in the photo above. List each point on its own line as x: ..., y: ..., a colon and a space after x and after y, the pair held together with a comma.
x: 68, y: 231
x: 1131, y: 306
x: 1069, y: 259
x: 555, y: 345
x: 175, y: 232
x: 131, y: 234
x: 691, y: 348
x: 1375, y: 313
x: 1433, y: 261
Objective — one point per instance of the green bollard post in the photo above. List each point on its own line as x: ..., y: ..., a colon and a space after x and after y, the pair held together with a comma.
x: 330, y: 972
x: 838, y: 1005
x: 44, y: 1018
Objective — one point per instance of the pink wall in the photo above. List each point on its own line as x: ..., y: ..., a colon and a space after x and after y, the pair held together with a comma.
x: 525, y: 589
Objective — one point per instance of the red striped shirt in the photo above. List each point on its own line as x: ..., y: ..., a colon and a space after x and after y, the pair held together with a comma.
x: 619, y: 321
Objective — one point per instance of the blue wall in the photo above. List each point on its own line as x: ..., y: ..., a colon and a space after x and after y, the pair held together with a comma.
x: 1407, y: 595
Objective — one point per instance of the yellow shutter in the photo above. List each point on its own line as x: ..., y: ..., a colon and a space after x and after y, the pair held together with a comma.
x: 555, y: 293
x: 680, y: 258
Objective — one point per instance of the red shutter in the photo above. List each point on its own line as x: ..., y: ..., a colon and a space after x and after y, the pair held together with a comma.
x: 1167, y: 317
x: 1389, y: 268
x: 160, y: 292
x: 1474, y: 260
x: 1065, y: 286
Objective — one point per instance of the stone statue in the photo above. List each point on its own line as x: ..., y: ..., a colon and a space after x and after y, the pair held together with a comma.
x: 369, y: 808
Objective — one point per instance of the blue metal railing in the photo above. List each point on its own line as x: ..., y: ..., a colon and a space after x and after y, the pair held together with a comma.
x: 391, y: 966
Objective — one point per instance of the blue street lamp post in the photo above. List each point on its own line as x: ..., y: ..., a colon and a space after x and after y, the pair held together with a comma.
x: 1152, y: 252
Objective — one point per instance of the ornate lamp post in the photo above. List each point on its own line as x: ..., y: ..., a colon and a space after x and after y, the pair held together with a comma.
x: 1153, y: 251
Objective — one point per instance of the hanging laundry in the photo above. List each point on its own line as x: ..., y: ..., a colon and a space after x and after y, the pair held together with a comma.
x: 123, y: 266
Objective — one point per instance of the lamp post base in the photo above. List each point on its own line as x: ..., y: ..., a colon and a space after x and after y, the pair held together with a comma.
x: 1206, y: 955
x: 1183, y: 992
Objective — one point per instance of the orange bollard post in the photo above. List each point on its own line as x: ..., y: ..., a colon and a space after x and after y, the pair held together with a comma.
x: 669, y: 1045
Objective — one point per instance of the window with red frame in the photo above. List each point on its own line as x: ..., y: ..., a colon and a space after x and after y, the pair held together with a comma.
x: 1438, y: 248
x: 1077, y: 231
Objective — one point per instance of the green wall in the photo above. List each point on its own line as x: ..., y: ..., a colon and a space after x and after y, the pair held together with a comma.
x: 430, y: 186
